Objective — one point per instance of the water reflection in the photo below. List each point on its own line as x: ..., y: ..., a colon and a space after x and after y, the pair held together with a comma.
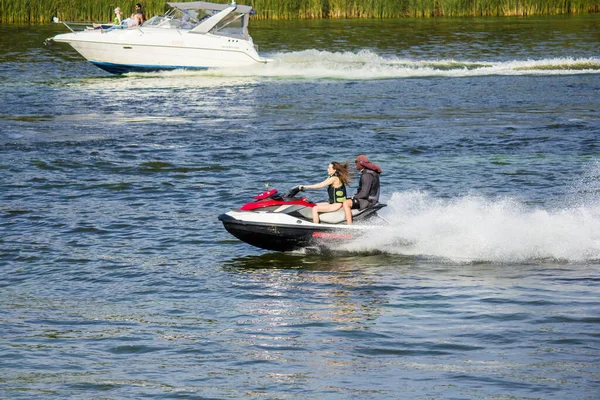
x: 337, y: 293
x: 329, y: 261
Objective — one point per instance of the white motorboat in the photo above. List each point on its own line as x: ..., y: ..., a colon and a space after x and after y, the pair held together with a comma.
x: 194, y: 35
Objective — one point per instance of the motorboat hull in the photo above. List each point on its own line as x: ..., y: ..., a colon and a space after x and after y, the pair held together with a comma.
x: 152, y: 49
x: 119, y: 69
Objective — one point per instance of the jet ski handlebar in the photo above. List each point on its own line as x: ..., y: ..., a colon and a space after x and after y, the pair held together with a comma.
x: 273, y: 194
x: 293, y: 192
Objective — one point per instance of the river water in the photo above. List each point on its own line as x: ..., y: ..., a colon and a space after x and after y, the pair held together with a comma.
x: 117, y: 280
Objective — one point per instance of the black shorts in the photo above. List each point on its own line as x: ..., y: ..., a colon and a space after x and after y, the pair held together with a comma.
x: 359, y: 204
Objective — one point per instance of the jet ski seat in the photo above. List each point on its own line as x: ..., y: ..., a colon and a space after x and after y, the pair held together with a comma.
x: 335, y: 217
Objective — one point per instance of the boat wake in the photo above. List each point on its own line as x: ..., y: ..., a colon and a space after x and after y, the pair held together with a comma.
x: 476, y: 229
x: 367, y: 65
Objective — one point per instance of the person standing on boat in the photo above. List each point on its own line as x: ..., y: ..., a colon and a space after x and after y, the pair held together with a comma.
x: 336, y: 182
x: 367, y: 194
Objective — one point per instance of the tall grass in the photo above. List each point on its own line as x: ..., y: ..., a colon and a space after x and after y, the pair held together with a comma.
x: 37, y: 11
x: 296, y: 9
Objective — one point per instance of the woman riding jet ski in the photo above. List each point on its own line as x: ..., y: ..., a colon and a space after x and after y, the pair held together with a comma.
x: 285, y: 222
x: 338, y: 177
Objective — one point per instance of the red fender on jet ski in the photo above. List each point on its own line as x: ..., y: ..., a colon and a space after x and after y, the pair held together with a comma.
x: 270, y: 198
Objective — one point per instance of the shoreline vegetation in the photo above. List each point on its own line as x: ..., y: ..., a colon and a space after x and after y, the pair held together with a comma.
x: 43, y: 11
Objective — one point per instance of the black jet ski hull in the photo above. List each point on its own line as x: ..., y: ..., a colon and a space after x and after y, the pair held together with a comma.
x: 282, y: 237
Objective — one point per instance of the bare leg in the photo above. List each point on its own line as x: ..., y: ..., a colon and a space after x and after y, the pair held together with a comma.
x: 348, y: 211
x: 315, y: 213
x: 324, y: 207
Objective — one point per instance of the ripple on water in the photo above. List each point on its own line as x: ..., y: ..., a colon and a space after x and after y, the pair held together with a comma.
x: 118, y: 281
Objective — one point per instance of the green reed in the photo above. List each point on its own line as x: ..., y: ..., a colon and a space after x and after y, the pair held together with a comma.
x: 38, y: 11
x: 297, y: 9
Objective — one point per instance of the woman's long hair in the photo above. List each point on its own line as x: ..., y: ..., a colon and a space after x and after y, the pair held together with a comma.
x: 341, y: 171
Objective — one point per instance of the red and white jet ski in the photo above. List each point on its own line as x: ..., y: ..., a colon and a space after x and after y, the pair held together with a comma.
x: 284, y: 222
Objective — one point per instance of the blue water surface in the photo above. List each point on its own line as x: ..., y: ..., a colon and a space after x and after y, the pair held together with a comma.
x: 117, y: 281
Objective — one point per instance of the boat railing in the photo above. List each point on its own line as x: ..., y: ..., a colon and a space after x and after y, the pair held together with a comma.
x: 84, y: 26
x: 77, y: 26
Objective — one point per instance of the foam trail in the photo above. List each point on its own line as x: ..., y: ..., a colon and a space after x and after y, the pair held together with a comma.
x: 366, y: 64
x: 473, y: 228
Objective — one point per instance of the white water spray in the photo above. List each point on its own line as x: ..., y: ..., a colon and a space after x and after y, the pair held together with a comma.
x: 473, y: 228
x: 366, y: 65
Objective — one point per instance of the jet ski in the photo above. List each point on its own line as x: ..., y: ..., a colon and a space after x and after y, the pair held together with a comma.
x: 284, y: 222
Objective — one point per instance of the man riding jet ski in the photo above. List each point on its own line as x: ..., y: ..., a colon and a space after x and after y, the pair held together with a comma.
x: 368, y: 189
x: 285, y: 222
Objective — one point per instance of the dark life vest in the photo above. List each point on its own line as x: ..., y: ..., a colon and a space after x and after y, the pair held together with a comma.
x: 336, y: 195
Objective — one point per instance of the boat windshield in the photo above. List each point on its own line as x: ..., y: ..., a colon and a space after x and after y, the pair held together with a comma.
x: 174, y: 19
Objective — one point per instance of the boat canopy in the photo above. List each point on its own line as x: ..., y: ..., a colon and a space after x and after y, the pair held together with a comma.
x: 221, y: 19
x: 203, y: 5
